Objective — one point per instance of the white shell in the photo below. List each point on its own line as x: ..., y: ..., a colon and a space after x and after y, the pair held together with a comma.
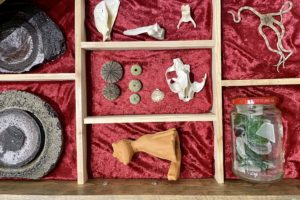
x: 186, y: 15
x: 182, y: 84
x: 153, y: 30
x: 157, y: 95
x: 105, y: 14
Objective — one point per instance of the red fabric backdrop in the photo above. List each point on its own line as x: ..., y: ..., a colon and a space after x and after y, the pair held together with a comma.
x: 137, y: 13
x: 196, y: 145
x: 154, y: 64
x: 61, y: 96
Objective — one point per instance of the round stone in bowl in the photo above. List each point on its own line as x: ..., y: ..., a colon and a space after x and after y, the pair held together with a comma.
x: 20, y: 138
x: 51, y: 137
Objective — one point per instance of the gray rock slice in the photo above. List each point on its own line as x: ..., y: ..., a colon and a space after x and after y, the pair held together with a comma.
x: 53, y: 137
x: 20, y: 138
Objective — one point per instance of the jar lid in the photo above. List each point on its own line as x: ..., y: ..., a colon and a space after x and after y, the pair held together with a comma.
x: 255, y: 100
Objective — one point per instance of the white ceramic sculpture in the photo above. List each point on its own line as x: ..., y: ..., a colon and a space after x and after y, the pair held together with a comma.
x: 182, y: 84
x: 186, y: 15
x: 153, y: 30
x: 105, y: 14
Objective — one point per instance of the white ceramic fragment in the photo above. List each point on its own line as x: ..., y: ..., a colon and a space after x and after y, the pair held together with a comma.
x: 182, y: 84
x: 153, y: 30
x: 186, y: 15
x: 105, y: 14
x: 157, y: 95
x: 267, y: 131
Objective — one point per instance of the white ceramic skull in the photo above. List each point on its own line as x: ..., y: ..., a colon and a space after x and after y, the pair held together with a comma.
x: 182, y: 84
x: 105, y: 14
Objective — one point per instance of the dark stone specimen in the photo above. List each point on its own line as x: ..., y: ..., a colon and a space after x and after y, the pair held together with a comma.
x: 28, y: 37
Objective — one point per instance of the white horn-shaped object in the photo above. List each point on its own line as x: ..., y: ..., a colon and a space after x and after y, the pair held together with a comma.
x: 105, y: 14
x: 182, y: 84
x: 153, y: 30
x: 186, y: 15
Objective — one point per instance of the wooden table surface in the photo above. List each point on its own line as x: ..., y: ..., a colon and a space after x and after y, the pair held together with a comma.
x: 148, y: 189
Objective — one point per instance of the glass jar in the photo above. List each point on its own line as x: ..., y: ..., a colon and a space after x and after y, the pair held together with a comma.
x: 258, y: 153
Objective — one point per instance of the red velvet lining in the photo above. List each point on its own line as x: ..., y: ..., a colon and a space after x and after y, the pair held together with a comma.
x: 154, y: 65
x: 196, y: 145
x: 61, y: 96
x: 136, y: 13
x: 62, y: 13
x: 245, y: 55
x: 289, y: 105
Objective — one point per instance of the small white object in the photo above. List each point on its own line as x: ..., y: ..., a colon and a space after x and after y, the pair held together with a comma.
x: 105, y: 14
x: 153, y: 30
x: 186, y: 15
x: 267, y: 131
x: 182, y: 84
x: 157, y: 95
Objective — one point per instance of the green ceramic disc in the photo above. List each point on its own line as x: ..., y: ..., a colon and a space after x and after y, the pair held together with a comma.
x: 135, y: 99
x: 136, y: 70
x: 135, y: 85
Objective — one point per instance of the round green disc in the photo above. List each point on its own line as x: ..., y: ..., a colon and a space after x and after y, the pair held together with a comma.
x: 135, y: 85
x: 136, y: 70
x: 135, y: 99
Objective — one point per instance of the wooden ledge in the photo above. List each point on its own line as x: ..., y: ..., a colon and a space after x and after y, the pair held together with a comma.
x: 148, y: 189
x: 148, y: 45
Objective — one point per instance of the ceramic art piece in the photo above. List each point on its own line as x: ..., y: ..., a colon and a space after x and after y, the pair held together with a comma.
x: 186, y: 16
x: 105, y: 14
x: 164, y: 145
x: 182, y: 84
x: 154, y: 31
x: 269, y: 20
x: 28, y: 37
x: 31, y: 138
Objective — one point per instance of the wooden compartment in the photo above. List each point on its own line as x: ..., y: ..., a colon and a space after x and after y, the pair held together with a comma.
x: 87, y: 189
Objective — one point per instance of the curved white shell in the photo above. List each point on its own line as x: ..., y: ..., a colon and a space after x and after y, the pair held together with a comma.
x: 105, y: 14
x: 153, y: 30
x: 186, y: 15
x: 157, y: 95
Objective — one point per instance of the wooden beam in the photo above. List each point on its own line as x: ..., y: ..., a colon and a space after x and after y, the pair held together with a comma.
x: 185, y: 189
x: 37, y: 77
x: 217, y: 93
x: 149, y: 118
x: 80, y: 84
x: 148, y: 45
x: 261, y: 82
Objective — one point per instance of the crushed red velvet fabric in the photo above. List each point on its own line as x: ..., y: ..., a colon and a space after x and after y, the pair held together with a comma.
x: 137, y: 13
x: 289, y: 105
x: 61, y: 96
x: 196, y: 145
x: 154, y: 64
x: 62, y: 13
x: 245, y: 54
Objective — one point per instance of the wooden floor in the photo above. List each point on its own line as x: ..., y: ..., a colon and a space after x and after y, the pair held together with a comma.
x: 148, y: 189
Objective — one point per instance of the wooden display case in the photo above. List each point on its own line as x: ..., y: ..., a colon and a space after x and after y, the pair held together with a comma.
x: 147, y: 189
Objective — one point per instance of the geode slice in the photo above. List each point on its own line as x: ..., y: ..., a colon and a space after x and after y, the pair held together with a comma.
x: 20, y: 138
x: 51, y: 135
x: 28, y: 37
